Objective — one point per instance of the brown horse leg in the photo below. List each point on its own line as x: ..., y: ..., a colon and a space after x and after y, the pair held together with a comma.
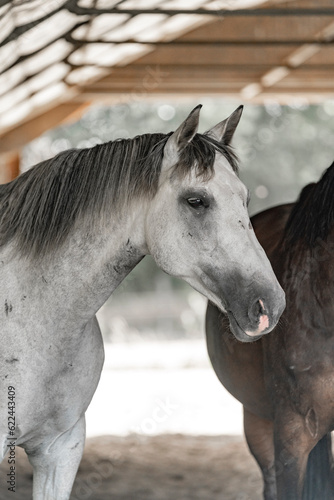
x: 292, y: 447
x: 259, y: 434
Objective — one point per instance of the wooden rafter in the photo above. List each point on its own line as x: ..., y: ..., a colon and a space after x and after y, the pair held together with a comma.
x: 15, y: 139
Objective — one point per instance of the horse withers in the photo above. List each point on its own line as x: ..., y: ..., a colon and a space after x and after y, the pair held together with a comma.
x: 71, y: 229
x: 285, y: 381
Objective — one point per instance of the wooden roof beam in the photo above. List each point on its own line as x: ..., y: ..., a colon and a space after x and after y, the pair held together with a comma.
x: 256, y: 12
x: 289, y: 63
x: 14, y: 140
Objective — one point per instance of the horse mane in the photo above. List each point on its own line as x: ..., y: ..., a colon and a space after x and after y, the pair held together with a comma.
x: 312, y: 217
x: 40, y: 207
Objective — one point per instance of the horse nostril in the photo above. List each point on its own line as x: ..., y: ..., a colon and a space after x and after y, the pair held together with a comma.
x: 262, y: 308
x: 259, y: 318
x: 257, y: 310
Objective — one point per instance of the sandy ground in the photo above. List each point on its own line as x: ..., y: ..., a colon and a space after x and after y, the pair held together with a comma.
x: 161, y: 388
x: 162, y: 467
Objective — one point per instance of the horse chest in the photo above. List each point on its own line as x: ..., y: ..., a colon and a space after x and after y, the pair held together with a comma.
x: 309, y: 350
x: 300, y: 369
x: 306, y: 380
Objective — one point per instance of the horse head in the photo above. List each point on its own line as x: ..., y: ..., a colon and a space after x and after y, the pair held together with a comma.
x: 198, y: 228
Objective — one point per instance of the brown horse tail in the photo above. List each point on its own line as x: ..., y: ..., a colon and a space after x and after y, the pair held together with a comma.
x: 319, y: 480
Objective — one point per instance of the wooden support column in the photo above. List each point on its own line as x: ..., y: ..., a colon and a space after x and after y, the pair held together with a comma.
x: 9, y: 166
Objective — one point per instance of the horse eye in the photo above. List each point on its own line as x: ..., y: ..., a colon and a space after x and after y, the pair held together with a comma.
x: 195, y: 202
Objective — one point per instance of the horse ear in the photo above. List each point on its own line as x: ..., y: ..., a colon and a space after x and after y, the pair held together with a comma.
x: 223, y: 131
x: 184, y: 134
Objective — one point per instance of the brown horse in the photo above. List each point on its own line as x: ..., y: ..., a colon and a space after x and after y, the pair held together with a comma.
x: 285, y: 380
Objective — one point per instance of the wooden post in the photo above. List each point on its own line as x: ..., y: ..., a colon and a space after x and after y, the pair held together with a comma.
x: 9, y: 166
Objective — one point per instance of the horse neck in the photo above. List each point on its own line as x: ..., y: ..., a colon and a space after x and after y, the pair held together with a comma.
x: 308, y: 279
x: 76, y: 281
x: 310, y: 261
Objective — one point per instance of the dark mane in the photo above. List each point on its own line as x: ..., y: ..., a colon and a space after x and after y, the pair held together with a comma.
x: 41, y: 206
x: 313, y: 214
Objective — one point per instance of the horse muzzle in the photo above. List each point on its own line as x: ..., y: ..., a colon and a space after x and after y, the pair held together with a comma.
x: 253, y: 306
x: 261, y: 318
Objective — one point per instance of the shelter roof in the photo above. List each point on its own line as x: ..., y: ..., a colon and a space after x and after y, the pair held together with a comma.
x: 58, y: 56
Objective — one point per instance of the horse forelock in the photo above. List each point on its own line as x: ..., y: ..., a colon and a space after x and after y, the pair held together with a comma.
x: 312, y: 217
x: 40, y: 207
x: 201, y: 153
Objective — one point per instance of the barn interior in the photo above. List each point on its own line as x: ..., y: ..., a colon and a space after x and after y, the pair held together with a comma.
x: 74, y: 73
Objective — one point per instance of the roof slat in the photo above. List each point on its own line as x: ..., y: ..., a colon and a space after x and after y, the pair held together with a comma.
x: 116, y: 50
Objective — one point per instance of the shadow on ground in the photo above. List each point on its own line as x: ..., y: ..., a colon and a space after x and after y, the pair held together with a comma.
x: 155, y: 468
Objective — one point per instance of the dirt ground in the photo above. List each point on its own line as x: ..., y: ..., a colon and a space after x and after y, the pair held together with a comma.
x: 163, y: 467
